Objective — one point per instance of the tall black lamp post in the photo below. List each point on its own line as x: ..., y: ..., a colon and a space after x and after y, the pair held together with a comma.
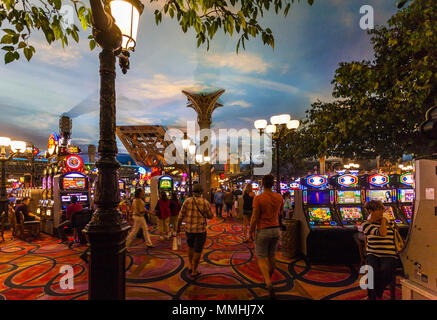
x: 115, y: 25
x: 280, y: 127
x: 186, y: 145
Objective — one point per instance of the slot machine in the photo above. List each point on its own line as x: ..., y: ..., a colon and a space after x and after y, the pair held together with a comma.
x: 47, y: 223
x: 256, y: 188
x: 349, y: 199
x: 323, y: 239
x: 122, y: 187
x: 405, y: 195
x: 65, y: 186
x: 380, y: 187
x: 159, y: 184
x: 292, y: 188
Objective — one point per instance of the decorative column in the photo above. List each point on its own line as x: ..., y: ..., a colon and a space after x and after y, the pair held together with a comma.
x: 204, y: 104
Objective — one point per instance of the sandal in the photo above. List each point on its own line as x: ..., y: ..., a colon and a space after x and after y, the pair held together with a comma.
x: 196, y: 275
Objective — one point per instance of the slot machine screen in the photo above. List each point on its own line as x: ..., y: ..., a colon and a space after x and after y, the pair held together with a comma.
x: 383, y: 195
x: 121, y: 184
x: 318, y: 197
x: 69, y: 183
x: 65, y: 198
x: 351, y: 214
x: 44, y: 183
x: 147, y: 189
x: 165, y: 184
x: 319, y: 215
x: 406, y: 195
x: 349, y: 196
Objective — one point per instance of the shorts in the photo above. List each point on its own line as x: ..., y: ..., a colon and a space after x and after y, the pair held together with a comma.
x: 266, y: 241
x: 247, y: 212
x: 196, y: 241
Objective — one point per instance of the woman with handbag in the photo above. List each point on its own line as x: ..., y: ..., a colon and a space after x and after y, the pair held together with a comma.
x: 139, y: 209
x: 382, y: 249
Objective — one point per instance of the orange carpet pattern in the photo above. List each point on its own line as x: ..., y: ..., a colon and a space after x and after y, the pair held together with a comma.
x: 32, y: 271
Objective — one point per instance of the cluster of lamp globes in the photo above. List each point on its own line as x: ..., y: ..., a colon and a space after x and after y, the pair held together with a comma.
x: 276, y: 122
x: 15, y: 146
x: 191, y: 149
x: 351, y: 166
x: 405, y: 168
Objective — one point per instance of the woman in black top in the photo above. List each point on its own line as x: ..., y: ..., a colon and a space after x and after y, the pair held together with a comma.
x: 247, y: 208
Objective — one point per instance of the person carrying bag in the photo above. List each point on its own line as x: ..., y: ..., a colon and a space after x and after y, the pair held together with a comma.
x: 195, y: 211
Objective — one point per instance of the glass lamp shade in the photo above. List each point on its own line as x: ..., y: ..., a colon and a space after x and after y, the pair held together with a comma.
x: 199, y: 158
x: 293, y: 124
x: 271, y: 128
x: 192, y: 149
x: 18, y: 146
x: 5, y: 142
x: 260, y: 124
x: 280, y: 119
x: 207, y: 158
x: 127, y: 16
x: 185, y: 143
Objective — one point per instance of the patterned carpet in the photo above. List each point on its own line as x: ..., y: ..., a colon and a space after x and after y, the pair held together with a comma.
x: 31, y: 271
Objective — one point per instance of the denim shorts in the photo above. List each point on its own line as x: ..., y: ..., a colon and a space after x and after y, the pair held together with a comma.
x: 266, y: 241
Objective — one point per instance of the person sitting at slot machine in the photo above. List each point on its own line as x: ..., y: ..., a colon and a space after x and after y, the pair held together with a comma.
x: 71, y: 209
x: 25, y: 210
x: 381, y: 248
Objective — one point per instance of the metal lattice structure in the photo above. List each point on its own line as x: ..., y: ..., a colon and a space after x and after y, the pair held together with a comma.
x: 146, y: 145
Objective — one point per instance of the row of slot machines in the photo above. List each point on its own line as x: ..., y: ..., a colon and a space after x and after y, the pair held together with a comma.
x: 57, y: 191
x: 331, y: 209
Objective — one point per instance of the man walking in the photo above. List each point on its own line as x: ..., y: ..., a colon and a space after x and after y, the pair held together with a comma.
x: 195, y: 211
x: 218, y: 199
x: 265, y: 221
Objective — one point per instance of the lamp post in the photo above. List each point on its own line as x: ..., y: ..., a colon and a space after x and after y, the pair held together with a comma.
x: 115, y: 25
x: 280, y: 127
x: 8, y: 149
x: 186, y: 143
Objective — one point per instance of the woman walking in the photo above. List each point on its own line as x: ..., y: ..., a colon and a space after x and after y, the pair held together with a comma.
x: 229, y: 202
x: 247, y: 209
x: 138, y: 211
x: 163, y: 212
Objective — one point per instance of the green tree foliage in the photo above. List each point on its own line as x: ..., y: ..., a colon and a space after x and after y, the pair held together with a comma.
x: 382, y: 102
x: 19, y: 18
x: 208, y: 16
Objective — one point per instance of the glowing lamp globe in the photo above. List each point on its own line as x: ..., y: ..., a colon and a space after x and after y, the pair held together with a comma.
x: 260, y: 124
x: 293, y: 124
x: 127, y: 16
x: 5, y: 142
x: 18, y: 146
x: 280, y: 119
x: 199, y: 158
x: 271, y: 128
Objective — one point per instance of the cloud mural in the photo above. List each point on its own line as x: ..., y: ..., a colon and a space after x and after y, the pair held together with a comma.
x: 309, y: 44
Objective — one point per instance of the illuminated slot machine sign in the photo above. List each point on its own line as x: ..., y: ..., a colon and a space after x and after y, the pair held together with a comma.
x: 319, y: 211
x: 166, y: 183
x: 74, y: 181
x: 121, y: 185
x: 44, y: 184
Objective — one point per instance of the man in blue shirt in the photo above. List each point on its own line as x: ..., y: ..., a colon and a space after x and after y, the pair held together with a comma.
x: 218, y: 199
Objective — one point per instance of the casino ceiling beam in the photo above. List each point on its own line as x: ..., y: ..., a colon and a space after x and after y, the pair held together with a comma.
x: 146, y: 144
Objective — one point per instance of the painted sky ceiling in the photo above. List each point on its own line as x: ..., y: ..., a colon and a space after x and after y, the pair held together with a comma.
x: 259, y: 82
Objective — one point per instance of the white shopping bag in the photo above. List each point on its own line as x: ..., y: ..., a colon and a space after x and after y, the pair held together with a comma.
x: 175, y: 243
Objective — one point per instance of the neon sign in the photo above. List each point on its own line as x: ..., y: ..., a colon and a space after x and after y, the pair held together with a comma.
x: 379, y: 179
x: 407, y: 179
x: 52, y: 144
x: 294, y: 185
x: 74, y: 163
x: 317, y: 181
x: 347, y: 180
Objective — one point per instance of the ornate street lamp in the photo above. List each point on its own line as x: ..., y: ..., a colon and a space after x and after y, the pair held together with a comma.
x: 281, y: 125
x: 8, y: 149
x: 186, y: 144
x: 115, y: 25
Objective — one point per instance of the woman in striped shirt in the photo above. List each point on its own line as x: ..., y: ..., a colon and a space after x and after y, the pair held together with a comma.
x: 381, y: 250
